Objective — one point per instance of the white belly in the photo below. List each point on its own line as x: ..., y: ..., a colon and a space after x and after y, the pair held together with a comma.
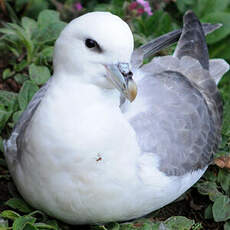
x: 82, y: 164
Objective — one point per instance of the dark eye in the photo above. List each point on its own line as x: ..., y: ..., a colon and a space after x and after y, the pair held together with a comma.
x: 90, y: 43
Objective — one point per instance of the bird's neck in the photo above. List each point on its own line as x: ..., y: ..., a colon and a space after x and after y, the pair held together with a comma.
x: 75, y: 89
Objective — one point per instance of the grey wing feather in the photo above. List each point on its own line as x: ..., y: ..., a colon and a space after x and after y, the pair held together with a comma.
x: 162, y: 42
x: 12, y: 145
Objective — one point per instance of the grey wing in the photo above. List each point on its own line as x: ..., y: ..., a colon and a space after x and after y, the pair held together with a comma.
x: 174, y: 123
x: 12, y: 145
x: 177, y: 114
x: 164, y: 41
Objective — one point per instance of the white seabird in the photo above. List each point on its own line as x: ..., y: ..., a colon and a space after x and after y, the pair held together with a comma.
x: 82, y: 156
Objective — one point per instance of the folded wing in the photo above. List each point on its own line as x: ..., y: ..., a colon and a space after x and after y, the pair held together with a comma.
x: 177, y: 114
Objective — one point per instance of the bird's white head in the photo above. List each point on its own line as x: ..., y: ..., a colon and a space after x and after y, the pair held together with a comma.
x: 96, y: 48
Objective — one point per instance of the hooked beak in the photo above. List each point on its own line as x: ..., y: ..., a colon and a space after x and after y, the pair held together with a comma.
x: 121, y: 77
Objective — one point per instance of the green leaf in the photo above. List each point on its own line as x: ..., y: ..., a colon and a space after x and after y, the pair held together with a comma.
x: 29, y: 25
x: 4, y: 117
x: 46, y: 55
x: 98, y: 227
x: 1, y: 147
x: 103, y: 7
x: 50, y: 32
x: 3, y: 223
x: 8, y: 104
x: 8, y: 100
x: 41, y: 215
x: 11, y: 12
x: 226, y: 95
x: 20, y: 66
x: 4, y: 228
x: 26, y: 93
x: 53, y: 223
x: 202, y: 7
x: 7, y: 73
x: 14, y: 51
x: 19, y: 4
x: 224, y: 31
x: 30, y: 226
x: 179, y: 223
x: 9, y: 214
x: 146, y: 226
x: 118, y: 3
x: 184, y: 5
x: 208, y: 212
x: 227, y: 226
x: 21, y: 222
x: 113, y: 226
x: 49, y: 26
x: 159, y: 23
x: 209, y: 6
x: 209, y: 188
x: 45, y: 226
x: 205, y: 7
x: 34, y: 7
x: 7, y: 31
x: 39, y: 74
x: 24, y: 38
x: 48, y: 17
x: 16, y: 116
x: 20, y: 78
x: 210, y: 175
x: 224, y: 180
x: 19, y: 204
x: 220, y: 49
x: 221, y: 208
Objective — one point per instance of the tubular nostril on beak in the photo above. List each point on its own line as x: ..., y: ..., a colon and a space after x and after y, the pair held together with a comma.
x: 128, y: 74
x: 124, y: 69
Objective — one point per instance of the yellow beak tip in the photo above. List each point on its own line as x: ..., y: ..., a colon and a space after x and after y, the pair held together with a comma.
x: 132, y: 90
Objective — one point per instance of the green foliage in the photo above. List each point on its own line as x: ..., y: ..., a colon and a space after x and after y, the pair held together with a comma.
x: 117, y: 7
x: 19, y: 204
x: 39, y: 74
x: 26, y: 93
x: 28, y: 42
x: 31, y: 220
x: 221, y: 208
x: 32, y: 7
x: 31, y: 44
x: 203, y: 7
x: 33, y: 36
x: 172, y: 223
x: 147, y: 28
x: 8, y: 105
x: 224, y: 31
